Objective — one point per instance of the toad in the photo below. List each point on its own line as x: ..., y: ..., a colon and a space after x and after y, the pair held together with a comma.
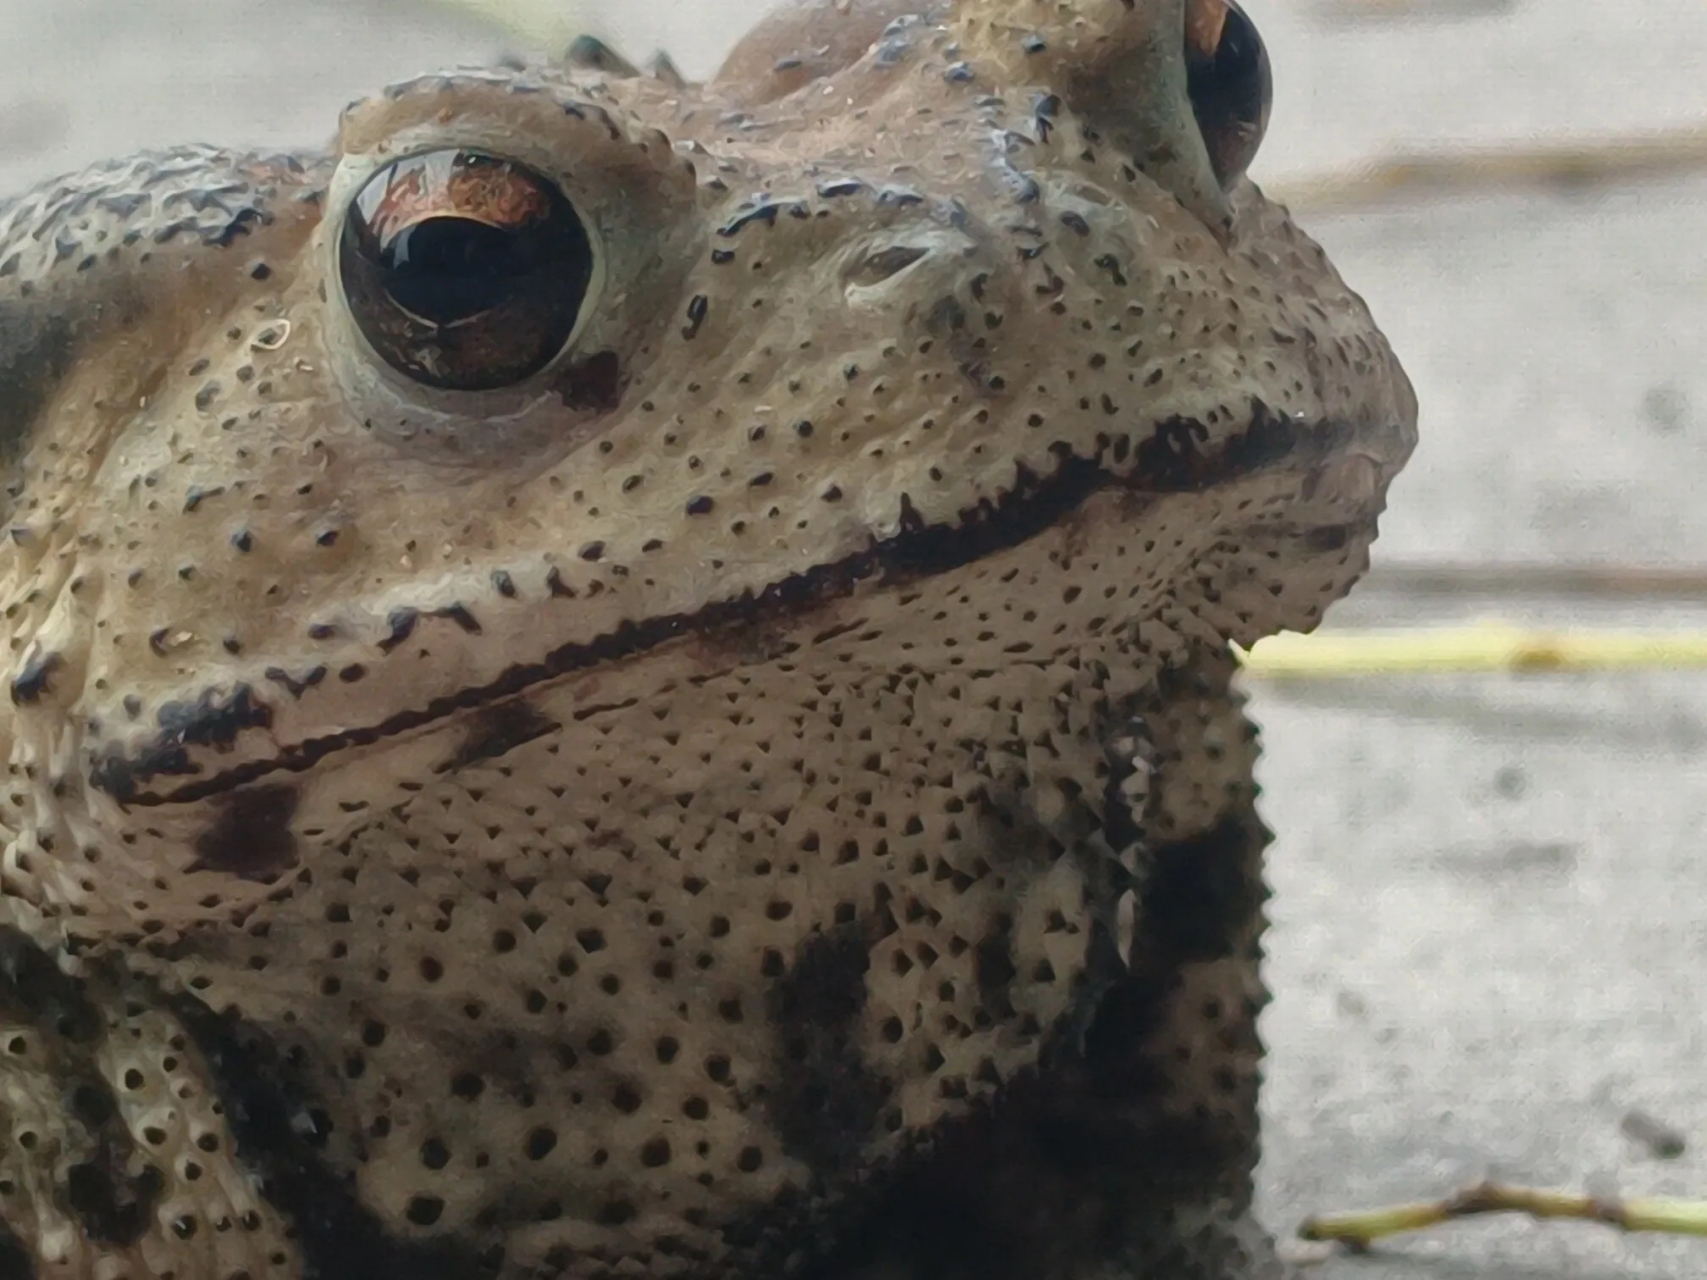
x: 622, y: 677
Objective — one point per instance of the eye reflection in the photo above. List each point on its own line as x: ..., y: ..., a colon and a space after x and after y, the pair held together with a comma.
x: 464, y: 271
x: 1230, y: 83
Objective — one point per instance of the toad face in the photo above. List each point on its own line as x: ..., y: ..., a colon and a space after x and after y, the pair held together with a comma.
x: 585, y: 661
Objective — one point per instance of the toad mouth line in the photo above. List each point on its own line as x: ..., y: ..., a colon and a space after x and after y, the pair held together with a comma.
x: 1169, y: 461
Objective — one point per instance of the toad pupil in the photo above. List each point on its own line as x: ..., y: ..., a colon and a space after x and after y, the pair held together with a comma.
x: 447, y: 269
x: 463, y: 271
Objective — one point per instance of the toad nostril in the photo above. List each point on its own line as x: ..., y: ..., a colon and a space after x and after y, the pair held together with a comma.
x: 884, y: 264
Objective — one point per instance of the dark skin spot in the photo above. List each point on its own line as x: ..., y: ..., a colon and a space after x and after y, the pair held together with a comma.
x: 214, y: 719
x: 251, y: 837
x: 264, y: 1093
x: 499, y: 730
x: 15, y: 1262
x: 36, y: 351
x: 109, y: 1205
x: 33, y: 985
x: 826, y: 1100
x: 1199, y: 897
x: 996, y: 971
x: 594, y: 383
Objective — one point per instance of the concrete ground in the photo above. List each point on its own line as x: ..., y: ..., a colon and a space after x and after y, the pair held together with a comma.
x: 1491, y: 912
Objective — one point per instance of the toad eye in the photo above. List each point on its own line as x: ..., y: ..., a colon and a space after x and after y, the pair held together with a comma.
x: 464, y: 271
x: 1228, y: 78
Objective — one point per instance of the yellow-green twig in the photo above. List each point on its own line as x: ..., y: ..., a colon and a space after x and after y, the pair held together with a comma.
x: 1485, y: 647
x: 1360, y: 1230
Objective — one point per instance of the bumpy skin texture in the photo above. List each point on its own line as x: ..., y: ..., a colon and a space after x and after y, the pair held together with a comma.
x: 762, y: 796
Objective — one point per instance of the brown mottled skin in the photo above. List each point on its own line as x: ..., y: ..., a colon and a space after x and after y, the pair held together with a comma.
x: 759, y: 795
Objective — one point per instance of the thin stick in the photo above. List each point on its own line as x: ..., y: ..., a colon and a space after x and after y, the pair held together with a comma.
x: 1492, y: 577
x: 1575, y: 164
x: 1358, y: 1231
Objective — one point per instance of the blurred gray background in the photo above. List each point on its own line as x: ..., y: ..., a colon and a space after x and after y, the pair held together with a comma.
x: 1491, y: 909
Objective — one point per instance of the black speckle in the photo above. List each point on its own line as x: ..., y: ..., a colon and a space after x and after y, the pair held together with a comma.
x: 764, y: 211
x: 33, y: 681
x: 251, y: 837
x: 698, y: 308
x: 459, y: 614
x: 423, y: 1211
x: 400, y: 625
x: 197, y: 495
x: 700, y: 505
x: 504, y: 584
x: 296, y: 686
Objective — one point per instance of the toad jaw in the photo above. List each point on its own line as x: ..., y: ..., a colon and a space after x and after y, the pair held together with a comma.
x: 193, y: 736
